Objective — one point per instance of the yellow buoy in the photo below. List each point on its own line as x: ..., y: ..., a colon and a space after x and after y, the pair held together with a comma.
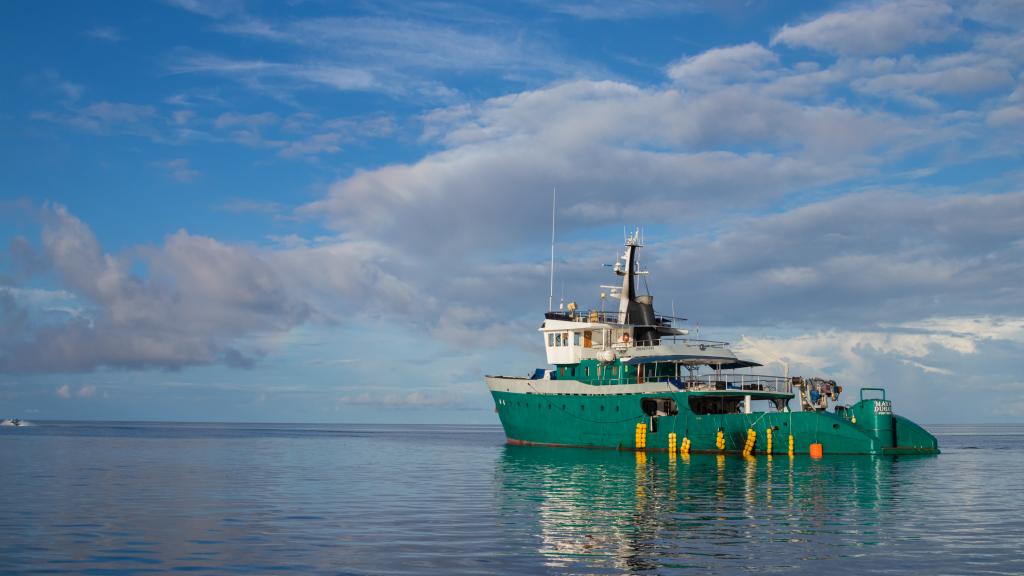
x: 768, y: 440
x: 684, y: 448
x: 641, y: 435
x: 672, y: 442
x: 790, y: 444
x: 749, y: 446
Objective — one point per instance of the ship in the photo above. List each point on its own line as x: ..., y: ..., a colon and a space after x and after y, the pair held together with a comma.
x: 631, y: 379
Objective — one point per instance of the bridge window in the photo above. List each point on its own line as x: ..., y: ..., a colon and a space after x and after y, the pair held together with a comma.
x: 551, y: 340
x: 558, y: 339
x: 575, y: 338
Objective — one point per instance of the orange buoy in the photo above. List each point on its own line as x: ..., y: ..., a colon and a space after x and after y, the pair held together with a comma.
x: 816, y: 450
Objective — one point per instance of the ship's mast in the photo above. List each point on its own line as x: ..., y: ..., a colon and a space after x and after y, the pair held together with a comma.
x: 628, y: 273
x: 551, y: 289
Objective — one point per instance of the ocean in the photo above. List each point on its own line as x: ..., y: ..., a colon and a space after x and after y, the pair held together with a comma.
x: 138, y: 498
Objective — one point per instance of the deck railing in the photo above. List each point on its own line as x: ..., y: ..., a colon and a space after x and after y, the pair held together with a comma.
x: 715, y: 382
x: 752, y: 382
x: 642, y: 345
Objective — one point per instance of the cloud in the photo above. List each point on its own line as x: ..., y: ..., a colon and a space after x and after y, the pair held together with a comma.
x: 403, y: 58
x: 179, y: 169
x: 878, y: 28
x: 1014, y: 407
x: 106, y: 117
x: 66, y: 392
x: 616, y: 151
x: 242, y: 205
x: 1008, y: 116
x: 201, y: 302
x: 254, y: 72
x: 873, y: 257
x: 300, y: 135
x: 997, y: 13
x: 233, y: 119
x: 209, y: 8
x: 957, y: 74
x: 618, y: 10
x: 723, y: 65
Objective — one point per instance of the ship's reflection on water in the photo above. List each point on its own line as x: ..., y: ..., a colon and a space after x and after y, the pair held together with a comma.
x: 608, y: 511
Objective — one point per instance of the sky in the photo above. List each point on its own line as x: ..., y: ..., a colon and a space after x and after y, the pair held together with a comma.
x: 313, y: 211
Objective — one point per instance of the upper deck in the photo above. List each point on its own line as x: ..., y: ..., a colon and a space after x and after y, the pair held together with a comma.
x: 578, y: 338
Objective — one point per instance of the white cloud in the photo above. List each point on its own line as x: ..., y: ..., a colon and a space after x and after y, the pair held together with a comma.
x: 202, y: 302
x: 977, y: 328
x: 106, y: 117
x: 179, y: 169
x: 742, y: 63
x: 878, y: 28
x: 619, y: 9
x: 647, y: 153
x: 1008, y: 116
x: 957, y: 74
x: 209, y: 8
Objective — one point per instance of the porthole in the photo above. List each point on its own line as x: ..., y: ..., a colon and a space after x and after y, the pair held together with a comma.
x: 549, y: 405
x: 582, y: 407
x: 563, y: 406
x: 836, y: 426
x: 616, y: 408
x: 602, y: 408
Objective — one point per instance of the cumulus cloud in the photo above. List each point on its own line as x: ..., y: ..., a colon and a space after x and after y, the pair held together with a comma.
x: 655, y: 154
x: 881, y: 28
x: 202, y: 302
x: 873, y: 257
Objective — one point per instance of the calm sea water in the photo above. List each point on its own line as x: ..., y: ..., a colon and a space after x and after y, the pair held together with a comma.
x: 133, y: 498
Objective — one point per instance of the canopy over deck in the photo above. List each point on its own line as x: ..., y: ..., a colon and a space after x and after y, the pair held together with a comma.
x: 716, y: 361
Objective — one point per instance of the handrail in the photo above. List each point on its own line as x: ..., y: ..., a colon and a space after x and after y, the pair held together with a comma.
x: 604, y: 316
x: 713, y: 382
x: 761, y: 382
x: 882, y: 390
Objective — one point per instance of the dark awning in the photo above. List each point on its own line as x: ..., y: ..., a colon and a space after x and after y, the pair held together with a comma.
x: 727, y: 363
x: 739, y: 364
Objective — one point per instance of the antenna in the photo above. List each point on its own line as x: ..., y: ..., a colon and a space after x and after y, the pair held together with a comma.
x: 551, y: 288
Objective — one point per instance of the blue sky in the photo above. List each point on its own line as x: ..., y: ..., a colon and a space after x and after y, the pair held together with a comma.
x: 310, y: 211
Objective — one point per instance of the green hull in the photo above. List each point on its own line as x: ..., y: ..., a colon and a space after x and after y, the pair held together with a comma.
x: 610, y: 421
